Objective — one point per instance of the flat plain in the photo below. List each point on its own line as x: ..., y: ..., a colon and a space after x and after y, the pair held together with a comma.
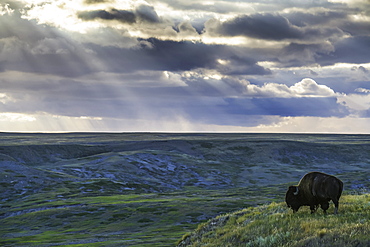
x: 149, y: 189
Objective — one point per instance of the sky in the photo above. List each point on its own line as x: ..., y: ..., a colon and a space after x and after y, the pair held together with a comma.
x: 185, y: 66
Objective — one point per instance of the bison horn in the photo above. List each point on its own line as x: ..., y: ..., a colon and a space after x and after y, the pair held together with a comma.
x: 296, y: 193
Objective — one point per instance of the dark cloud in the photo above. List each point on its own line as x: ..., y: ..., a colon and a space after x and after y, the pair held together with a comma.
x: 186, y: 55
x: 214, y: 88
x: 44, y: 49
x: 39, y: 49
x: 296, y: 55
x: 358, y: 28
x: 113, y: 14
x: 261, y: 26
x: 177, y: 56
x: 248, y: 111
x: 360, y: 69
x: 238, y: 65
x: 226, y: 7
x: 340, y: 19
x: 363, y: 69
x: 96, y: 1
x: 147, y: 13
x: 142, y: 13
x: 269, y: 27
x: 15, y: 5
x: 162, y: 55
x: 327, y: 17
x: 26, y: 31
x: 348, y: 50
x: 287, y: 107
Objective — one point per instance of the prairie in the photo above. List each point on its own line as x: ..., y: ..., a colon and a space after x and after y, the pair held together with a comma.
x: 149, y: 189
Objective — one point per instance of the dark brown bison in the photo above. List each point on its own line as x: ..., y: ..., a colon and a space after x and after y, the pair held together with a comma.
x: 314, y: 189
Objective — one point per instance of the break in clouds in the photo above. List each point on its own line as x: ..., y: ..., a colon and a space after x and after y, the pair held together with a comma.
x: 184, y: 65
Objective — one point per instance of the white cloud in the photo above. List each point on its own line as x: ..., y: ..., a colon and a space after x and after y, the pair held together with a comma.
x: 350, y: 125
x: 305, y: 88
x: 57, y: 13
x: 362, y: 90
x: 350, y: 2
x: 308, y: 87
x: 356, y: 102
x: 11, y: 117
x: 4, y: 98
x: 233, y: 86
x: 5, y: 9
x: 44, y: 122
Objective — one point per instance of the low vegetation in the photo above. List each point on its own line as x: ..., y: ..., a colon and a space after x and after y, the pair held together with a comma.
x: 275, y: 225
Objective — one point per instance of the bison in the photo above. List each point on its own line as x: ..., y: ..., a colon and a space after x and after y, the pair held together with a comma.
x: 314, y: 189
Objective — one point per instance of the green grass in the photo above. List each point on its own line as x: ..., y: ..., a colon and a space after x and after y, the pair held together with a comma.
x: 152, y: 219
x: 275, y: 225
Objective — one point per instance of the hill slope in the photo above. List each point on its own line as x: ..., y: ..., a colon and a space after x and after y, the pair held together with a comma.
x: 275, y: 225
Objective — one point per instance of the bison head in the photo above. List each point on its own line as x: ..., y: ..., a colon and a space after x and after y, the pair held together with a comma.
x: 292, y: 198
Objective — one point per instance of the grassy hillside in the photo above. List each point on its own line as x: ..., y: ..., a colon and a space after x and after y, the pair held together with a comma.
x: 275, y: 225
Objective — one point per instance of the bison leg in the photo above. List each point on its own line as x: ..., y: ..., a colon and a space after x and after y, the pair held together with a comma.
x: 336, y: 203
x: 325, y: 206
x: 313, y: 208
